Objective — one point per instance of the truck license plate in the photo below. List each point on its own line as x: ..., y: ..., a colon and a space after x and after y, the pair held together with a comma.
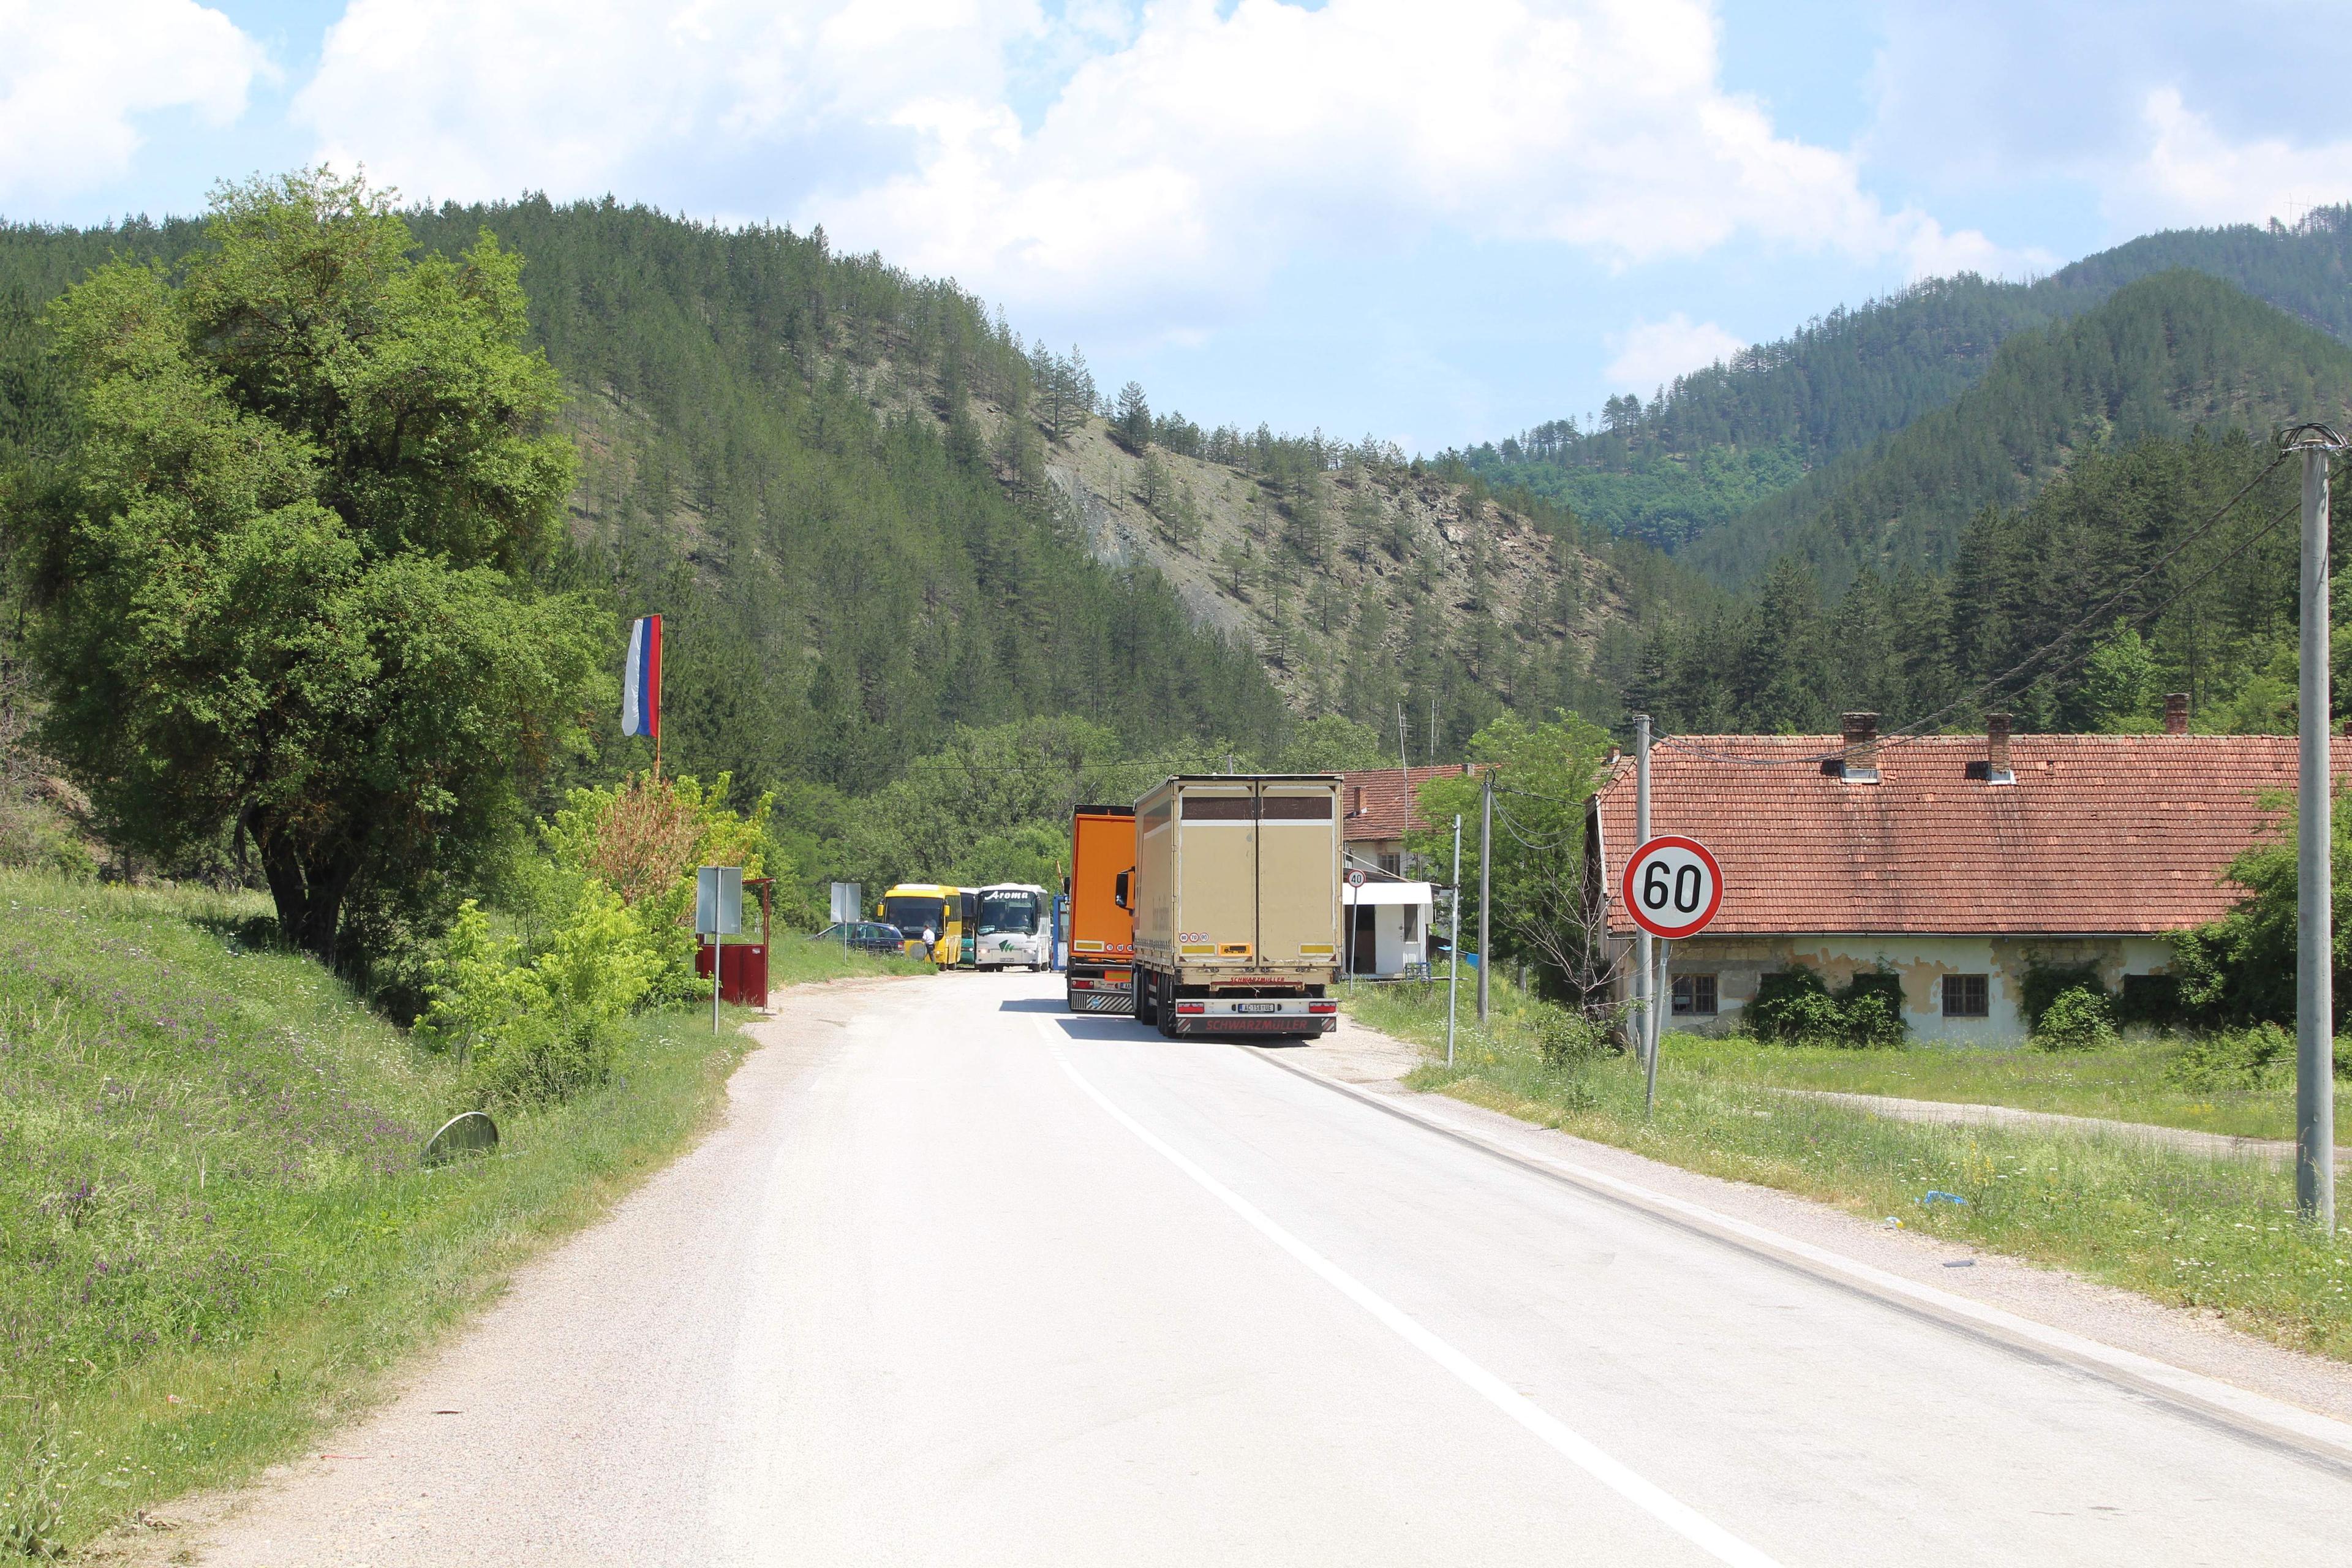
x: 1257, y: 1007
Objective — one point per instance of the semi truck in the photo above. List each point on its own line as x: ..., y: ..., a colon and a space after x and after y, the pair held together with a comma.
x: 1101, y: 975
x: 1235, y: 895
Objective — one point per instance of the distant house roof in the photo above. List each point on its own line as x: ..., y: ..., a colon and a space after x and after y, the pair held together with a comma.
x: 2106, y: 835
x: 1382, y: 803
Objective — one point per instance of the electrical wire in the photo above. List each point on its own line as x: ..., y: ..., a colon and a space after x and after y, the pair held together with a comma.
x: 1896, y: 739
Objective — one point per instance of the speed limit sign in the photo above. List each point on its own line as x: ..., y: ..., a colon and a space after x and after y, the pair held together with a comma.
x: 1673, y: 886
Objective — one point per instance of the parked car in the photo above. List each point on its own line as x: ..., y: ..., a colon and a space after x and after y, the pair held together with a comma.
x: 866, y: 936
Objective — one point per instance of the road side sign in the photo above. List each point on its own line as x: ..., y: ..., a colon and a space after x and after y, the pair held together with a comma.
x: 1673, y: 886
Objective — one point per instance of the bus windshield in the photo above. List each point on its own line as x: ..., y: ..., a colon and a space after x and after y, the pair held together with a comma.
x: 1008, y: 913
x: 912, y: 916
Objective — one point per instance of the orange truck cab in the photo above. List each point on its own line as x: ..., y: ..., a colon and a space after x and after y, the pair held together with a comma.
x: 1102, y: 932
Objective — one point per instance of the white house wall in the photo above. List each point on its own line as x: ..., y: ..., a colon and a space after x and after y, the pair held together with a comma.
x: 1922, y: 962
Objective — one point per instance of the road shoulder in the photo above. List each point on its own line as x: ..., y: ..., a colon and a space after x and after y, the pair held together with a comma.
x: 1370, y: 1063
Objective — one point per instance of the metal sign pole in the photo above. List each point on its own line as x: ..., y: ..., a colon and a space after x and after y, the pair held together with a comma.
x: 1642, y: 975
x: 1485, y: 848
x: 1453, y: 949
x: 1650, y: 1068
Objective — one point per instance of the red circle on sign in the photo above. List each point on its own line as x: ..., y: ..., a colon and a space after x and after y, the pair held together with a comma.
x: 1689, y: 848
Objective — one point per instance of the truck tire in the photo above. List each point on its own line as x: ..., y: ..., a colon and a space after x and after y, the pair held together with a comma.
x: 1165, y: 1009
x: 1145, y: 996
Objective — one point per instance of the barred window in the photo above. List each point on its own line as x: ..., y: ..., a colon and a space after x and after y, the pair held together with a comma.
x: 1695, y: 994
x: 1967, y: 997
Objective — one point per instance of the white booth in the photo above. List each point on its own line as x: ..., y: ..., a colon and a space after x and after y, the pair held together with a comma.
x: 1388, y: 927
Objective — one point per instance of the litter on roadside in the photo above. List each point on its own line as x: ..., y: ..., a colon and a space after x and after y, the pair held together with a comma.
x: 1934, y: 1198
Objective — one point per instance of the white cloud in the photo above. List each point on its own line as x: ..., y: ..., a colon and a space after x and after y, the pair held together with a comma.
x: 75, y: 78
x: 1650, y: 354
x: 467, y: 99
x: 1174, y: 158
x: 2190, y: 173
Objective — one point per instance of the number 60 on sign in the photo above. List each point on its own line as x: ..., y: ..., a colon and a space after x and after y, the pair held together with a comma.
x: 1673, y: 886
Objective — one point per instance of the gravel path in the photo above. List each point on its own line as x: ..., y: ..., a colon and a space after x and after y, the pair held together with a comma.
x: 2214, y: 1145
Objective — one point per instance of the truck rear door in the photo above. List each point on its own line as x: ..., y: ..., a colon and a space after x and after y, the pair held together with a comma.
x: 1297, y: 873
x: 1216, y: 875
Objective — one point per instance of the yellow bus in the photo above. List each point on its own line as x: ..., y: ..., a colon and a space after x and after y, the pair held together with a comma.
x: 918, y: 907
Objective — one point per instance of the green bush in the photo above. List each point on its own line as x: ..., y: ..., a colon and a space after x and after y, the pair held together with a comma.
x: 2079, y: 1018
x: 2260, y: 1056
x: 2045, y: 983
x: 543, y: 1030
x: 1569, y: 1039
x: 1796, y: 1007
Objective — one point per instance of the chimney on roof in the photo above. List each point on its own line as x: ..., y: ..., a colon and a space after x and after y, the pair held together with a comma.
x: 2176, y: 712
x: 1995, y: 768
x: 1355, y: 800
x: 1861, y: 731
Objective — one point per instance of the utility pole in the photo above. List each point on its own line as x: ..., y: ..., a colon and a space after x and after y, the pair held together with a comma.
x: 1642, y: 975
x: 1454, y: 953
x: 1485, y: 850
x: 2315, y: 979
x: 1403, y: 767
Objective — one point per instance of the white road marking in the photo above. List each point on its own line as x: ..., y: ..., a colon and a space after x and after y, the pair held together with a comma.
x: 1676, y: 1515
x: 2127, y: 1366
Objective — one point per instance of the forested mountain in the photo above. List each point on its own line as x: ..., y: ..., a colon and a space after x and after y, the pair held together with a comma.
x: 871, y: 514
x: 841, y: 589
x: 1720, y: 440
x: 2159, y: 356
x: 2217, y: 621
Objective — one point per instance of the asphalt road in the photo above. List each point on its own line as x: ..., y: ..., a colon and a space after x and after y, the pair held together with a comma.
x: 964, y: 1280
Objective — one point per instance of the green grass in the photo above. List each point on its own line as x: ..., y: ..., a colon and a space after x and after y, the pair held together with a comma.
x: 215, y: 1237
x: 2218, y: 1234
x: 2125, y: 1082
x: 795, y: 960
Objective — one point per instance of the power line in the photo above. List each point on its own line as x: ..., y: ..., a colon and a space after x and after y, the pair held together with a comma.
x: 1895, y: 738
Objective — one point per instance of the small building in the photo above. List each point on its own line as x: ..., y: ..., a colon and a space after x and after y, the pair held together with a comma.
x: 1960, y: 862
x: 1381, y: 805
x: 1388, y: 927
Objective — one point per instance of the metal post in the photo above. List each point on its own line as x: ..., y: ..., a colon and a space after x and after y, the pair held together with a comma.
x: 1453, y: 949
x: 1650, y: 1067
x: 1347, y: 931
x: 1485, y: 850
x: 1642, y: 975
x: 716, y: 954
x: 2315, y: 999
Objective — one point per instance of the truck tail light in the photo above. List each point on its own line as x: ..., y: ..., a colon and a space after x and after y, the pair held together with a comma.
x: 1186, y: 1009
x: 1322, y: 1006
x: 1082, y: 985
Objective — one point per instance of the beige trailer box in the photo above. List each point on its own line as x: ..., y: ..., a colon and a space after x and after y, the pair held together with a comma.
x: 1236, y: 902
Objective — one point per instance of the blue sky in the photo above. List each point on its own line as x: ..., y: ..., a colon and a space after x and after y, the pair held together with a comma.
x: 1430, y: 223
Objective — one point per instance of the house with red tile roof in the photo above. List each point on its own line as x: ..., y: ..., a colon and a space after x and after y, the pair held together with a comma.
x: 1960, y: 862
x: 1390, y: 919
x: 1380, y: 806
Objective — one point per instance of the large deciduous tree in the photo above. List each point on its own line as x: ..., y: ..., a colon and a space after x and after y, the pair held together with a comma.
x: 284, y: 564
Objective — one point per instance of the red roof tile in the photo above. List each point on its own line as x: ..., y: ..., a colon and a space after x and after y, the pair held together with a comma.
x: 2100, y: 834
x: 1382, y: 803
